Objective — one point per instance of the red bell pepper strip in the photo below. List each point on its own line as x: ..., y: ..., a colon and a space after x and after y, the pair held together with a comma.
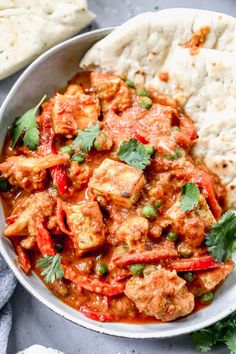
x: 12, y: 218
x: 203, y: 180
x: 141, y: 138
x: 154, y: 255
x: 58, y: 173
x: 91, y: 283
x: 121, y: 275
x: 59, y: 178
x: 60, y: 213
x: 187, y: 127
x: 95, y: 315
x: 192, y: 264
x: 23, y: 259
x: 44, y: 240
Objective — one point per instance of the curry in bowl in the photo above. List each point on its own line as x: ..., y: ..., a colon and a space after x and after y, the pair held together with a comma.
x: 105, y: 202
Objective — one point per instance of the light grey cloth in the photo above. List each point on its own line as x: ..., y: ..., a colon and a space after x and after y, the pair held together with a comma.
x: 7, y: 286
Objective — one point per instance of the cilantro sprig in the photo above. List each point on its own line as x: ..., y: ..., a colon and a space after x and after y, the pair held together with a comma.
x: 221, y: 240
x: 85, y: 138
x: 222, y: 332
x: 135, y: 153
x: 26, y: 125
x: 51, y: 267
x: 190, y: 196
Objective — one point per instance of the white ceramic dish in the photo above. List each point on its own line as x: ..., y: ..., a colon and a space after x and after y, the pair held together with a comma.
x: 53, y: 69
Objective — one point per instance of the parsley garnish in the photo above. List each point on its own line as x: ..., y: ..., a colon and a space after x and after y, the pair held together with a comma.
x: 51, y: 266
x: 135, y: 154
x: 26, y: 125
x: 190, y: 197
x: 221, y: 240
x: 85, y: 138
x: 223, y: 331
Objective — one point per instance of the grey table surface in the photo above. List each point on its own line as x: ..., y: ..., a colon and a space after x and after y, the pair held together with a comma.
x: 35, y: 324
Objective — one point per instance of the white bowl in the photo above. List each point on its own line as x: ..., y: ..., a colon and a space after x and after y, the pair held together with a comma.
x: 53, y: 69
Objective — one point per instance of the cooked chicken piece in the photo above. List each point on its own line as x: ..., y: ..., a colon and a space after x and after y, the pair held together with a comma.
x: 30, y: 173
x: 161, y: 294
x: 85, y: 221
x: 117, y: 182
x: 38, y: 206
x: 73, y: 90
x: 73, y: 113
x: 207, y: 280
x: 134, y: 232
x: 78, y: 175
x: 112, y: 91
x: 193, y: 225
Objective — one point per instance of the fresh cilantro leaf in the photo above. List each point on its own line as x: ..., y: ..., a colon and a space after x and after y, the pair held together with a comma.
x: 190, y: 196
x: 26, y: 125
x: 230, y: 340
x: 204, y: 340
x: 85, y: 138
x: 221, y: 240
x: 51, y: 266
x: 135, y: 154
x: 222, y: 332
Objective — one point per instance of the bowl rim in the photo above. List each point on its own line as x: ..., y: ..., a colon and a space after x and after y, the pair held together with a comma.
x: 42, y: 299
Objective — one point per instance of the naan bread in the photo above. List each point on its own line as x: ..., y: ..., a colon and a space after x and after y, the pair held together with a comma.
x: 28, y: 28
x: 204, y: 83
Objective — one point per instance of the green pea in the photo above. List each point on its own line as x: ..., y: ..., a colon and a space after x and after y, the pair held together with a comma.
x: 149, y: 149
x: 79, y: 158
x: 97, y: 142
x: 130, y: 83
x: 121, y: 249
x: 157, y: 204
x: 184, y: 250
x: 172, y: 236
x: 149, y: 211
x: 142, y: 92
x: 178, y: 153
x: 206, y: 298
x: 175, y: 128
x: 137, y: 269
x: 4, y: 184
x: 101, y: 268
x: 96, y: 145
x: 188, y: 276
x: 145, y: 103
x: 169, y: 157
x: 67, y: 149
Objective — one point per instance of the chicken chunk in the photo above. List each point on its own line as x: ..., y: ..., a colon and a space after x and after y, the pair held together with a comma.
x: 74, y: 112
x: 117, y: 182
x: 191, y: 226
x: 74, y: 89
x: 38, y: 205
x: 78, y: 175
x: 85, y: 221
x: 134, y: 232
x: 112, y: 91
x: 161, y: 294
x: 30, y: 173
x: 207, y: 280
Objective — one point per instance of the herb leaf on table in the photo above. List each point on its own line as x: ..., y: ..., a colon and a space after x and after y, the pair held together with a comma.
x: 222, y: 332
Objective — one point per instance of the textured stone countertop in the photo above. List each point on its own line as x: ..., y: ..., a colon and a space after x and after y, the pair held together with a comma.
x: 35, y: 324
